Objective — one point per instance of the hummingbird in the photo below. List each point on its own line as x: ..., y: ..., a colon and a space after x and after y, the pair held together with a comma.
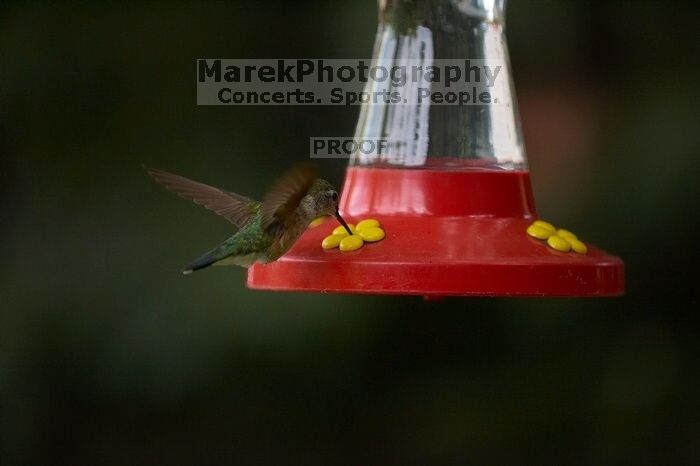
x: 263, y: 231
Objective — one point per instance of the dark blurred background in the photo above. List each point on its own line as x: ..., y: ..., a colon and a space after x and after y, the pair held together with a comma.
x: 109, y: 356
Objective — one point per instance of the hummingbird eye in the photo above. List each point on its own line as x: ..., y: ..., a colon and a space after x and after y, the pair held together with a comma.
x: 334, y: 196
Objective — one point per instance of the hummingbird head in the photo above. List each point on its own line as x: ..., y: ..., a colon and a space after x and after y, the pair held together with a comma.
x: 322, y: 199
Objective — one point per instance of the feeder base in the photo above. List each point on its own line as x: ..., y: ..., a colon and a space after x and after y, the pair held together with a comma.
x: 441, y: 250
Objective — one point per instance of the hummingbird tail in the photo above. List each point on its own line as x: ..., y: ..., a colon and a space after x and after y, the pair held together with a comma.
x: 227, y: 253
x: 200, y: 263
x: 204, y: 261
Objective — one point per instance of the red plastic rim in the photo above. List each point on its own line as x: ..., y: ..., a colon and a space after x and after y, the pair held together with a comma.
x: 449, y: 233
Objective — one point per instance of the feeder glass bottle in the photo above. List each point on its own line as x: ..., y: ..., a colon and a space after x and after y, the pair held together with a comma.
x: 416, y: 35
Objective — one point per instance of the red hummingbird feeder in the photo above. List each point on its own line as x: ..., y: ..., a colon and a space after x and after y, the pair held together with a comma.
x: 452, y: 192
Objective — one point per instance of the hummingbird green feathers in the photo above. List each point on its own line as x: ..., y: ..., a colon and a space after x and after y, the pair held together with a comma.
x: 264, y: 231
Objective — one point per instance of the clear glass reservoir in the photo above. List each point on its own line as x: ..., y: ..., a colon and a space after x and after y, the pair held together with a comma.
x: 433, y: 133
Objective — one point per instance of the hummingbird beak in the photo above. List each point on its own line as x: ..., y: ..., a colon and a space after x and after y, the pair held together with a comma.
x: 342, y: 222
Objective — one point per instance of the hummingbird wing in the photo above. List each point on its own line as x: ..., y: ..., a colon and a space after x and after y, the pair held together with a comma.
x: 233, y: 207
x: 286, y: 193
